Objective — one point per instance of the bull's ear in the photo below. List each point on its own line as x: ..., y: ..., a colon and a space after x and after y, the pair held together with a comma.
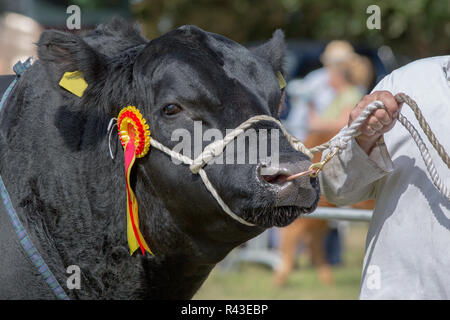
x: 273, y: 51
x: 68, y: 52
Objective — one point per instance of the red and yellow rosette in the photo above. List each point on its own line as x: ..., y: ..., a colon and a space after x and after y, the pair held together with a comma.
x: 134, y: 135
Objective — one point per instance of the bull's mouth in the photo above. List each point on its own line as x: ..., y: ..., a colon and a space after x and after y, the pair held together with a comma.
x: 273, y: 215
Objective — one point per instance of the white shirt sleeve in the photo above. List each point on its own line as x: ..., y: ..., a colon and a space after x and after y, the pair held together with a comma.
x: 352, y: 175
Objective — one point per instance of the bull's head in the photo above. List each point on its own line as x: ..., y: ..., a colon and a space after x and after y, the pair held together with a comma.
x: 185, y: 76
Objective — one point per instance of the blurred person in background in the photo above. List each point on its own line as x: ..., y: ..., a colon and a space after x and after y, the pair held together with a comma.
x: 313, y: 91
x: 344, y: 79
x: 349, y: 75
x: 18, y: 35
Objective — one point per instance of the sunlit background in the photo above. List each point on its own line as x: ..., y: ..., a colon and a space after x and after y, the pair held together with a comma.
x: 409, y: 30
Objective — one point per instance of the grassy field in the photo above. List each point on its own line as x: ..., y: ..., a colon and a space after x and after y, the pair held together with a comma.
x: 253, y: 281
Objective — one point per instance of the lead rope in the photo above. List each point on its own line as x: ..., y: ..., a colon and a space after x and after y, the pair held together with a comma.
x: 337, y: 143
x: 340, y: 141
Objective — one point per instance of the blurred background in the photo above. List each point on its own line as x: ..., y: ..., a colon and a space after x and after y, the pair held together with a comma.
x: 332, y: 60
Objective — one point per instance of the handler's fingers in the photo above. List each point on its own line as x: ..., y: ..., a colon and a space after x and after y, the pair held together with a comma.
x: 367, y: 130
x: 383, y: 116
x: 374, y: 123
x: 389, y: 102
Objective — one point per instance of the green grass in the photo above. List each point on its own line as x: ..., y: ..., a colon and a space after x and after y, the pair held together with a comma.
x: 253, y: 281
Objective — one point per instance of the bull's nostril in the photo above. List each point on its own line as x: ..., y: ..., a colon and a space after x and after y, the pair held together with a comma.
x: 279, y: 175
x: 275, y: 178
x: 273, y: 175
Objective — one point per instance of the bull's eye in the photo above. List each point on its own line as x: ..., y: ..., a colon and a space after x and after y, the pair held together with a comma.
x: 172, y: 109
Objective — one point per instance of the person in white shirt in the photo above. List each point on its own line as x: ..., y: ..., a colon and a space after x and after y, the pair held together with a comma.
x: 408, y: 242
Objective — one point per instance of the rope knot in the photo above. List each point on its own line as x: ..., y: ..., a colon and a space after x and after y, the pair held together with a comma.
x: 211, y: 151
x: 340, y: 140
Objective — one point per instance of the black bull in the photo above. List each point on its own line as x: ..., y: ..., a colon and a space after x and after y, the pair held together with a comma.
x: 70, y: 195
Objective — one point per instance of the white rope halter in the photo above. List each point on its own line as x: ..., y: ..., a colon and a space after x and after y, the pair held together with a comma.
x: 337, y: 143
x: 216, y: 148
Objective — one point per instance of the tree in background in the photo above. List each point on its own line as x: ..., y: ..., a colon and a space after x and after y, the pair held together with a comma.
x: 416, y: 28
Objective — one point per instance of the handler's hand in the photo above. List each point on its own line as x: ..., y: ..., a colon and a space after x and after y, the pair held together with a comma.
x: 379, y: 122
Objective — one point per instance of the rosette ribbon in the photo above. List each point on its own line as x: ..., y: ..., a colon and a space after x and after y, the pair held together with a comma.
x: 134, y: 135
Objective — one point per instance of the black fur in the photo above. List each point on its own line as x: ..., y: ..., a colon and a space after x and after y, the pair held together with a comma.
x: 70, y: 195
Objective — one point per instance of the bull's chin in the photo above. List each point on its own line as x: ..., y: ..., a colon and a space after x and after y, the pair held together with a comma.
x: 267, y: 217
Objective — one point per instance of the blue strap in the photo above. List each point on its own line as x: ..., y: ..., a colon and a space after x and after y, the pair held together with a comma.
x: 24, y: 239
x: 19, y: 68
x: 8, y: 90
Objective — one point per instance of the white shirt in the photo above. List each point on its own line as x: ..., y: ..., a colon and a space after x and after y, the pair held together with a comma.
x: 408, y: 243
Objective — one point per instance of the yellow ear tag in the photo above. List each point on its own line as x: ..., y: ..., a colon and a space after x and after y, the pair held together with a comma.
x: 74, y: 83
x: 281, y: 80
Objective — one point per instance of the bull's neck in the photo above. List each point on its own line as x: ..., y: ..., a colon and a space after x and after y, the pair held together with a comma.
x: 173, y: 272
x: 173, y: 277
x: 82, y: 211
